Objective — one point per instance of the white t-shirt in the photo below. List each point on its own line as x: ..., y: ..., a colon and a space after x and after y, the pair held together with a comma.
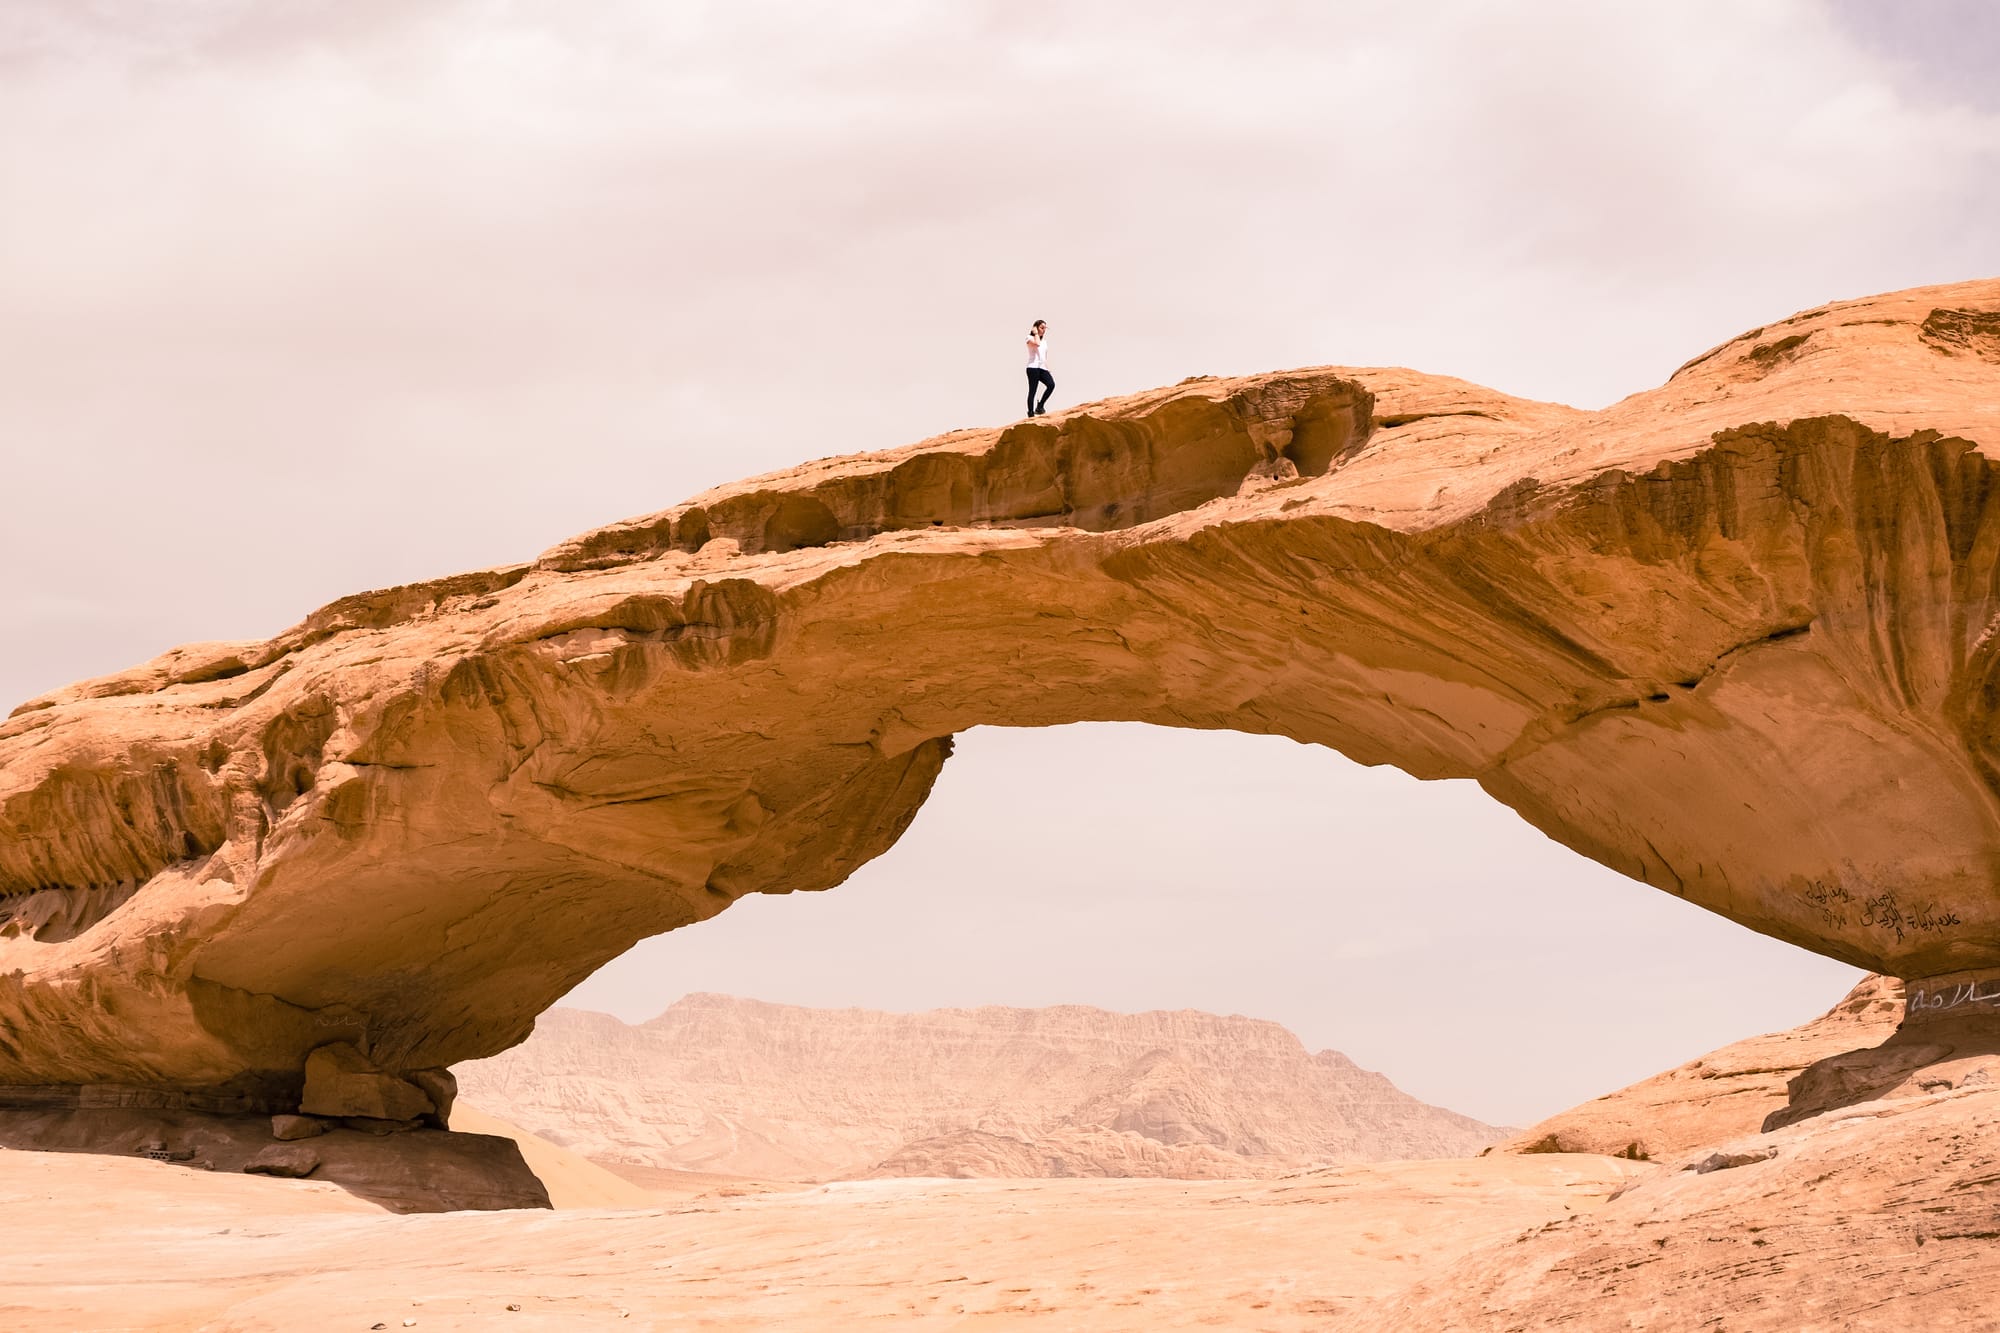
x: 1035, y: 345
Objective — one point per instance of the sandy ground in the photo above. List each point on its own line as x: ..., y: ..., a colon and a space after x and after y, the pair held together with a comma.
x: 572, y: 1181
x: 113, y: 1243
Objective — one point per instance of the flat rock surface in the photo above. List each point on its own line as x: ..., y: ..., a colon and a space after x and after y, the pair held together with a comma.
x: 134, y: 1245
x: 1873, y: 1213
x: 1882, y: 1217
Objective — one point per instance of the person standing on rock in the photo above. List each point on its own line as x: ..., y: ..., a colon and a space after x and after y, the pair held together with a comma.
x: 1038, y: 368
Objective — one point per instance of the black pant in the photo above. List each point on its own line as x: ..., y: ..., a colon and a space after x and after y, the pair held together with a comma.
x: 1036, y: 375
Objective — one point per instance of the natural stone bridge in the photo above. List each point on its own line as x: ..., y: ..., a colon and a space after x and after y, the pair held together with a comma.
x: 1733, y: 637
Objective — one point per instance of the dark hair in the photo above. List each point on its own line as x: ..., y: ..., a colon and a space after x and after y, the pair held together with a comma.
x: 1037, y: 324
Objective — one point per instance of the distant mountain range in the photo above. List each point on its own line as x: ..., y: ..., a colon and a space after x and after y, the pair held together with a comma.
x: 741, y: 1087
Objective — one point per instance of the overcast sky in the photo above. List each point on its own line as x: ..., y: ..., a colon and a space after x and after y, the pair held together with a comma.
x: 301, y: 298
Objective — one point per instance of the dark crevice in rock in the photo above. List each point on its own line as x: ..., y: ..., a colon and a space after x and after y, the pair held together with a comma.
x: 1406, y: 418
x: 1976, y: 332
x: 1771, y: 353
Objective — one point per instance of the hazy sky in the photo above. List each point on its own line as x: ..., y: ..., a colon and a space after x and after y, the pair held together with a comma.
x: 300, y: 298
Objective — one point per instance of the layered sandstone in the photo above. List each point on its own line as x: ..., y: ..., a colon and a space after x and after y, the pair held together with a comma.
x: 719, y: 1084
x: 1731, y: 636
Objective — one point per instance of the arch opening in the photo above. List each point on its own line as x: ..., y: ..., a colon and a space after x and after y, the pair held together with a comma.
x: 1420, y: 928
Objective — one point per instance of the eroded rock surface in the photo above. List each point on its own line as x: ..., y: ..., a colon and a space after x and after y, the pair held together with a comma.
x: 1880, y: 1218
x: 1731, y: 636
x: 341, y: 1081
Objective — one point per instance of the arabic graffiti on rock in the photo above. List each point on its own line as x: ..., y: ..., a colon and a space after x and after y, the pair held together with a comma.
x: 1831, y: 901
x: 1838, y: 907
x: 1958, y: 995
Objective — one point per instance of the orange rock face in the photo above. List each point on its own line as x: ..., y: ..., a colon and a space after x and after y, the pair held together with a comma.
x: 1731, y: 636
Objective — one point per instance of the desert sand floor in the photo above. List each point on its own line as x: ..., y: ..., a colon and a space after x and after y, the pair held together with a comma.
x: 113, y: 1243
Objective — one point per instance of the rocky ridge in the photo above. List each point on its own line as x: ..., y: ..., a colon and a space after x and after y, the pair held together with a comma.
x: 1723, y: 1095
x: 719, y: 1084
x: 1731, y: 636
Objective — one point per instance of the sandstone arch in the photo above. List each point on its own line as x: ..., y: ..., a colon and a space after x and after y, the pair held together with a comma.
x: 1732, y: 637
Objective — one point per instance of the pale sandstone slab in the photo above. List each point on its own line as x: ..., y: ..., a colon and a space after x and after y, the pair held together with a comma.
x: 1284, y: 1255
x: 1877, y: 1220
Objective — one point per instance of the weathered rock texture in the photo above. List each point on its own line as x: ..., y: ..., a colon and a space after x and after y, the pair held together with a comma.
x: 289, y: 1161
x: 341, y: 1081
x: 718, y: 1084
x: 1731, y: 636
x: 1881, y: 1218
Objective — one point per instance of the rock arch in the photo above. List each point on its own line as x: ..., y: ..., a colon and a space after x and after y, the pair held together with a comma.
x: 1733, y: 637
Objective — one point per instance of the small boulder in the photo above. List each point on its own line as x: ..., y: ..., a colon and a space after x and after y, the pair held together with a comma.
x: 441, y: 1086
x: 292, y: 1161
x: 288, y: 1127
x: 1724, y: 1161
x: 341, y: 1081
